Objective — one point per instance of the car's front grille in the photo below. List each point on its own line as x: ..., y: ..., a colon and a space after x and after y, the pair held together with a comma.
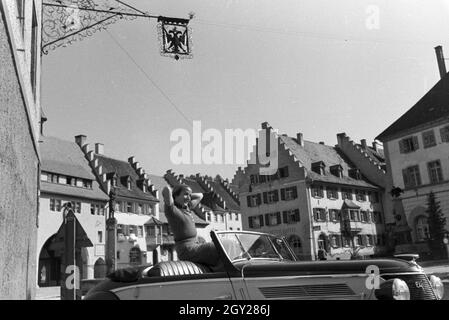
x: 319, y: 290
x: 418, y: 284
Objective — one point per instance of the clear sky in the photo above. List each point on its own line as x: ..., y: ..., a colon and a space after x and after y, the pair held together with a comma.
x: 311, y: 66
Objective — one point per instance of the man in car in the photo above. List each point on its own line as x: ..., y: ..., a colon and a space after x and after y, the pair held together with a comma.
x: 178, y: 210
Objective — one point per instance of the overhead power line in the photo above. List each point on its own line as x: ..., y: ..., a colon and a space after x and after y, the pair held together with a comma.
x: 147, y: 76
x: 314, y: 35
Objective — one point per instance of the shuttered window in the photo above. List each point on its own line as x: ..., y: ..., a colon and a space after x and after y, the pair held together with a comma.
x: 409, y: 144
x: 411, y: 176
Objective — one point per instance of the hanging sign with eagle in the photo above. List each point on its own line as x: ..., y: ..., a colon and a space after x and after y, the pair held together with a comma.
x: 175, y: 37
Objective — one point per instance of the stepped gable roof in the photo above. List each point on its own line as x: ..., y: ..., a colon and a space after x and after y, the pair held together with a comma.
x: 221, y: 190
x: 434, y: 105
x: 122, y: 169
x: 314, y: 152
x: 66, y: 158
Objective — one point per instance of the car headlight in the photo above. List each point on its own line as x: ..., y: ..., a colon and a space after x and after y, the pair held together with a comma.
x: 400, y: 290
x: 394, y: 289
x: 438, y: 286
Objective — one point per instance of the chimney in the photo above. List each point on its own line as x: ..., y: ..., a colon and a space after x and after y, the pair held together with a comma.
x: 375, y: 144
x: 322, y: 142
x: 363, y: 143
x: 80, y: 140
x: 300, y: 139
x: 99, y: 148
x: 440, y: 60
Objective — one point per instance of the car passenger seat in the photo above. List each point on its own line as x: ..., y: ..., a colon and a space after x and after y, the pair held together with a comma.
x: 177, y: 268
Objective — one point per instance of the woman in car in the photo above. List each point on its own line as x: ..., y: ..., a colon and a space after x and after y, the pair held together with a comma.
x: 179, y: 204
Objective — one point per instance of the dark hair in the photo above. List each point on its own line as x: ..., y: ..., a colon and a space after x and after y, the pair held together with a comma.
x: 180, y: 187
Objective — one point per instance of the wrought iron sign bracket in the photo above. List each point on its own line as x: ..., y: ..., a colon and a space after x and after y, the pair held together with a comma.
x: 64, y: 22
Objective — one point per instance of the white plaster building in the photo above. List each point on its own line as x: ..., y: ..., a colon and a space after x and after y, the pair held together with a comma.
x: 417, y: 152
x: 67, y: 177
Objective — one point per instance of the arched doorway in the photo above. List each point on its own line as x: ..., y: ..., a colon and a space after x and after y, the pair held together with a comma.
x: 295, y: 243
x: 421, y: 229
x: 100, y: 269
x: 49, y: 264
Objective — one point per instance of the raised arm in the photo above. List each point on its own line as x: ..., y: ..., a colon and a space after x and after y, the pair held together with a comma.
x: 195, y: 199
x: 167, y: 195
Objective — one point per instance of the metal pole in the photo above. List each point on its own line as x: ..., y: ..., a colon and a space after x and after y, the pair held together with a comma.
x: 144, y: 15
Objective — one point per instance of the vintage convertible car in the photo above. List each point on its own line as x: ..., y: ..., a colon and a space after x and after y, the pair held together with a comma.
x: 263, y: 266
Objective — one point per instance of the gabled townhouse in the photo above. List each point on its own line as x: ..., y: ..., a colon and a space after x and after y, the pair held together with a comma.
x: 370, y: 159
x: 417, y: 156
x: 317, y: 199
x: 134, y: 204
x: 219, y: 208
x: 67, y: 177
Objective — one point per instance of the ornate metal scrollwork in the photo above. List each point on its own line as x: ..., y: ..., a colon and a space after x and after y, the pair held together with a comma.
x: 64, y: 22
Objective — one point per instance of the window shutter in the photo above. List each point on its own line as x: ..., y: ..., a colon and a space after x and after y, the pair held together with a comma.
x: 402, y: 146
x: 248, y: 201
x: 405, y: 177
x: 282, y: 194
x: 295, y: 192
x: 261, y: 220
x: 250, y: 222
x: 444, y: 132
x: 297, y: 215
x: 267, y: 219
x: 285, y: 217
x: 265, y: 197
x: 415, y: 143
x: 276, y: 195
x: 259, y: 200
x: 278, y: 216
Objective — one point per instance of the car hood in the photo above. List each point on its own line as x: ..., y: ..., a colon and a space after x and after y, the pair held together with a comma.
x: 263, y: 268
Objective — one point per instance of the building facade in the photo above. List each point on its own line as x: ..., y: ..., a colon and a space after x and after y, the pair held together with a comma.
x: 138, y: 230
x: 417, y: 148
x: 317, y: 199
x: 66, y: 177
x: 20, y: 61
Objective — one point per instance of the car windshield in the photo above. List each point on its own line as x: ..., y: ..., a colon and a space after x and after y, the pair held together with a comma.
x: 255, y: 246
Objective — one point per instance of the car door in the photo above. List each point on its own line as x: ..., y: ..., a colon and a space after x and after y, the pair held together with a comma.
x: 195, y: 287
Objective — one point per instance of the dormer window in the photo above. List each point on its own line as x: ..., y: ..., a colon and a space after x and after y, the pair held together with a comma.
x: 126, y: 181
x: 355, y: 174
x: 142, y: 184
x: 318, y: 167
x: 337, y: 170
